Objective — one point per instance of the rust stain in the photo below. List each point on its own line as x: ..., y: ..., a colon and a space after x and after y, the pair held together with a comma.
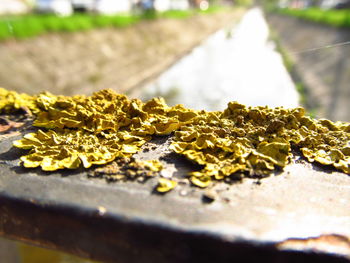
x: 6, y: 124
x: 330, y: 243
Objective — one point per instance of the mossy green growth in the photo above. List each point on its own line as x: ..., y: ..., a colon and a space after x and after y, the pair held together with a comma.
x: 87, y: 130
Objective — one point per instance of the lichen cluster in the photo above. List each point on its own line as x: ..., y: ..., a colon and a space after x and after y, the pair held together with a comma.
x: 95, y: 130
x: 87, y: 130
x: 11, y: 101
x: 256, y: 140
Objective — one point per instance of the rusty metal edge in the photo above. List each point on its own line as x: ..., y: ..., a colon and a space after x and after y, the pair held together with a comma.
x: 114, y: 238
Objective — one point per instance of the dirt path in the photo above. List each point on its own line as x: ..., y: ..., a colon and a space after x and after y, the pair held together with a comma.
x: 121, y: 59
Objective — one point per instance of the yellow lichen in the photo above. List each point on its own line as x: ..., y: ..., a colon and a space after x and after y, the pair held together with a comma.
x: 59, y: 149
x: 258, y: 139
x: 165, y: 185
x: 106, y: 111
x: 87, y: 130
x: 12, y: 101
x: 152, y: 165
x: 96, y: 129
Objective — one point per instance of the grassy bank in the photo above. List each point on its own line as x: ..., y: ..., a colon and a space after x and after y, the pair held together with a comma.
x: 291, y: 68
x: 33, y: 25
x: 26, y: 26
x: 337, y: 18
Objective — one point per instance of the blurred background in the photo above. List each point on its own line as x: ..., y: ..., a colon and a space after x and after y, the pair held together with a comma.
x: 200, y: 53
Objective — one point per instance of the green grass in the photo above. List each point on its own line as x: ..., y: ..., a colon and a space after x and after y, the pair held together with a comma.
x: 21, y: 27
x: 181, y: 14
x: 177, y: 14
x: 337, y: 18
x: 26, y: 26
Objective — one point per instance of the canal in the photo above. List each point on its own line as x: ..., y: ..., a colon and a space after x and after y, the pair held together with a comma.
x: 238, y: 63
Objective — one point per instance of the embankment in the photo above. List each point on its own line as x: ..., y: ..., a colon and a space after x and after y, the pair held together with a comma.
x: 323, y: 69
x: 121, y: 59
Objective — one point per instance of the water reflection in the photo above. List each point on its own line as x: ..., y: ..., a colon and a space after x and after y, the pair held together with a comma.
x: 236, y: 64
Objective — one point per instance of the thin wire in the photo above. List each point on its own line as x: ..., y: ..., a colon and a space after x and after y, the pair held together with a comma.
x: 322, y: 47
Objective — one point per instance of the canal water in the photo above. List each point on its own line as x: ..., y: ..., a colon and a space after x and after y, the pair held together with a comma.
x: 235, y: 64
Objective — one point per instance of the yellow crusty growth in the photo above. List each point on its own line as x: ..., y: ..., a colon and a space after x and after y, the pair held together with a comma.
x: 66, y: 148
x: 96, y: 129
x: 82, y: 131
x: 12, y: 101
x: 165, y: 185
x: 258, y: 139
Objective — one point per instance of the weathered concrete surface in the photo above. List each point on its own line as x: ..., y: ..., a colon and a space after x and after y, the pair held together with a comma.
x: 300, y: 214
x: 121, y: 59
x: 238, y: 63
x: 9, y: 251
x: 325, y: 72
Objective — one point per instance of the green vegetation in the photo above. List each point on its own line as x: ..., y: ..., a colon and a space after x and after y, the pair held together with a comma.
x: 243, y: 2
x: 337, y: 18
x: 21, y: 27
x: 26, y: 26
x: 177, y: 14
